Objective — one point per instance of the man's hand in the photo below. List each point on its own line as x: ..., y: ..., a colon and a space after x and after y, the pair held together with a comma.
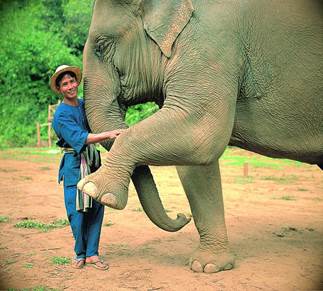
x: 113, y: 133
x: 98, y: 137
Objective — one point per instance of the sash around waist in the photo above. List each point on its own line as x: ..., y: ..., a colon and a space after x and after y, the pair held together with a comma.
x: 68, y: 150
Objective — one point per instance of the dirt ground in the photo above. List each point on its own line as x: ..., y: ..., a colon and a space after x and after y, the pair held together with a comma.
x: 274, y: 216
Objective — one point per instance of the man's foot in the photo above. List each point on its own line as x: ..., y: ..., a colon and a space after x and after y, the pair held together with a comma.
x: 95, y: 262
x: 78, y: 263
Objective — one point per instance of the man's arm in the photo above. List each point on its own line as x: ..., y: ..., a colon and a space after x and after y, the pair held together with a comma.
x: 98, y: 137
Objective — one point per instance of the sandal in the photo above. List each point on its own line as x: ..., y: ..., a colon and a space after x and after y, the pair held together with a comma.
x: 100, y: 265
x: 78, y: 263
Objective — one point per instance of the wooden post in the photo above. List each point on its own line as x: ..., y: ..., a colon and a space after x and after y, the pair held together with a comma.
x: 245, y: 170
x: 49, y: 125
x: 38, y: 134
x: 51, y: 110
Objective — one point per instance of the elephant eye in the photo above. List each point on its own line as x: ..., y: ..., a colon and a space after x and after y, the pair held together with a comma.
x: 104, y: 48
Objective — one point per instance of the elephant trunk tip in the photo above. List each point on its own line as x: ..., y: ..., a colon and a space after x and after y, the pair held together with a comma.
x: 181, y: 221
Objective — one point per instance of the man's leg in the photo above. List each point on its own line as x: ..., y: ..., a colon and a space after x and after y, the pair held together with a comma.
x: 76, y: 220
x: 94, y: 219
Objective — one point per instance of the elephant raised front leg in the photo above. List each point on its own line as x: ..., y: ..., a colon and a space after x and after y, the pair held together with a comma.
x: 156, y: 140
x: 202, y: 185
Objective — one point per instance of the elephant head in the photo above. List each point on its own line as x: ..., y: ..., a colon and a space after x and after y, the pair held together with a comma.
x: 128, y: 46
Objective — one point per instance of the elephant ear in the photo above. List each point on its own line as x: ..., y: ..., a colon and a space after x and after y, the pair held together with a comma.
x: 164, y: 20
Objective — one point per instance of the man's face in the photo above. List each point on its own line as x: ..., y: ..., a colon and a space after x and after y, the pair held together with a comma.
x: 68, y: 87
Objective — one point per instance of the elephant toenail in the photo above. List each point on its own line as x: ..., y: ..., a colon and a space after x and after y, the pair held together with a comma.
x: 211, y: 268
x: 90, y: 189
x: 81, y: 184
x: 197, y: 267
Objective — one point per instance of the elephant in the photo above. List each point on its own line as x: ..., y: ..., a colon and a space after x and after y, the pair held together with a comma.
x: 245, y: 73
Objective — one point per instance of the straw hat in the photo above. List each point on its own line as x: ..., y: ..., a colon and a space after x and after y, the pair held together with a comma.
x: 61, y: 69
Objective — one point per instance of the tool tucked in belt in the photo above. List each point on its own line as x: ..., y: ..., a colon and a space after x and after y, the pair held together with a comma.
x: 91, y: 155
x: 90, y: 159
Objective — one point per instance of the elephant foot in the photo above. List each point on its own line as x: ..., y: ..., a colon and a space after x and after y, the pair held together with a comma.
x: 97, y: 186
x: 210, y: 262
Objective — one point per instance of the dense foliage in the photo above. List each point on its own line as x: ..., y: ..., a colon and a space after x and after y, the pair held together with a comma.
x: 37, y: 36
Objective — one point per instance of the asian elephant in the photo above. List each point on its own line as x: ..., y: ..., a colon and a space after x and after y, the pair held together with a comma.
x: 247, y: 73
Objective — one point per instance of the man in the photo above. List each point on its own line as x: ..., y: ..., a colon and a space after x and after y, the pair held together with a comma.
x: 85, y: 215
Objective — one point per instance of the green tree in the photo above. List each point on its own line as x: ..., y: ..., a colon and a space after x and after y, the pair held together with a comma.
x: 77, y: 15
x: 53, y: 15
x: 27, y: 57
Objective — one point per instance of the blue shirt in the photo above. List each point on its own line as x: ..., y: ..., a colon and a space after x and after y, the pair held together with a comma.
x: 72, y: 130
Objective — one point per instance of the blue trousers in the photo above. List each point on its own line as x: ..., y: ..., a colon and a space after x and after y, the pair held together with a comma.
x: 86, y: 226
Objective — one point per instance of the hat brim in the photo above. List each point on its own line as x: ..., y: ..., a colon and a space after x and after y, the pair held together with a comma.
x: 75, y: 70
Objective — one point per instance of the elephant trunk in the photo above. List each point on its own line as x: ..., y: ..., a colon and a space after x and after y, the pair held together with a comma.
x: 151, y: 203
x: 101, y: 89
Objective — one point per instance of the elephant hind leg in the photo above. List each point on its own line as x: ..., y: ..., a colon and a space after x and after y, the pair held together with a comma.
x: 202, y: 185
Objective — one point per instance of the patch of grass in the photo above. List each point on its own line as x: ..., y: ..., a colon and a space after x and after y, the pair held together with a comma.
x: 42, y: 226
x: 61, y: 222
x: 233, y: 157
x: 34, y: 151
x: 44, y: 168
x: 269, y: 178
x: 32, y: 224
x: 243, y: 180
x: 38, y: 288
x: 287, y: 198
x: 232, y: 160
x: 286, y: 230
x: 30, y: 154
x: 317, y: 199
x: 8, y: 170
x: 61, y: 260
x: 310, y: 229
x: 109, y: 223
x: 28, y: 266
x: 302, y: 189
x: 4, y: 219
x: 9, y: 261
x: 281, y: 180
x: 26, y: 178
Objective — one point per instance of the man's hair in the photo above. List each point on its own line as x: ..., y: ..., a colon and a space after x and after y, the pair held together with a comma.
x: 61, y: 76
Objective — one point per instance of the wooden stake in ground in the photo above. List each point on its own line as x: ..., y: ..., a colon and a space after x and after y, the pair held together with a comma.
x: 38, y: 134
x: 245, y: 169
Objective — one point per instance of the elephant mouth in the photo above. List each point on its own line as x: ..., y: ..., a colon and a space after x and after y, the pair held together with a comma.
x: 131, y: 95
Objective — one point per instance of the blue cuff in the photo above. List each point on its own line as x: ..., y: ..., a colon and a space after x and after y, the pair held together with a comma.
x: 81, y: 143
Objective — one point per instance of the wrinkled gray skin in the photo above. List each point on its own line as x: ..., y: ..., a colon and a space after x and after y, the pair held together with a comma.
x: 245, y: 73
